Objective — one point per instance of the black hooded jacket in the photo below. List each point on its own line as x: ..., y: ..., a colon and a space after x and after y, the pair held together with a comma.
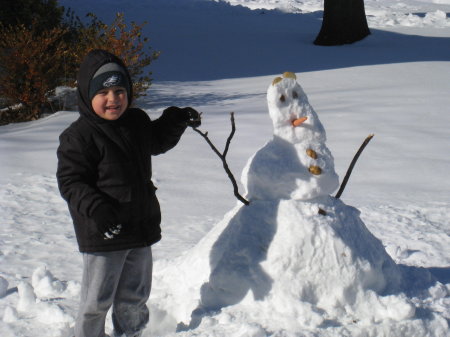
x: 107, y: 165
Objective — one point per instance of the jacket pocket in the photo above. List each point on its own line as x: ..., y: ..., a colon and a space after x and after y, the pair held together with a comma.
x: 120, y: 197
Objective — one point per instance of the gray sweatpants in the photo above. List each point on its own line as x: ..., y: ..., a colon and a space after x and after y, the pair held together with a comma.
x: 121, y: 279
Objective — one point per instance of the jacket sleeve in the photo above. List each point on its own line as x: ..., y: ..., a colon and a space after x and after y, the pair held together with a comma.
x: 166, y: 132
x: 76, y: 175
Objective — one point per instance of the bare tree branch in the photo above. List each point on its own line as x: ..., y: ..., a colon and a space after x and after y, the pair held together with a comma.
x: 233, y: 130
x: 352, y: 164
x: 223, y: 155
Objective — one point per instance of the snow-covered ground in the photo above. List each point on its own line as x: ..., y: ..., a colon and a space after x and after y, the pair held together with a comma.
x: 220, y: 58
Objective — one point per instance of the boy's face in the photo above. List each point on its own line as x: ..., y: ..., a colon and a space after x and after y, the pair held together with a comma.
x: 110, y: 103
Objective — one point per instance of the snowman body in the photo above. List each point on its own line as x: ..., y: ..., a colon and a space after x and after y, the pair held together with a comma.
x: 296, y: 163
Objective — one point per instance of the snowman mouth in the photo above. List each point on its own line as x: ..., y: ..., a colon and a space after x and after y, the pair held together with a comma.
x: 298, y: 121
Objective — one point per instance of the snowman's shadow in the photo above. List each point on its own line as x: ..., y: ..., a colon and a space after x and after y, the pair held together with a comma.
x: 235, y: 261
x: 236, y: 256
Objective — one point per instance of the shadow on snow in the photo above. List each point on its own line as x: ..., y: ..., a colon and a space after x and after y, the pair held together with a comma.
x: 206, y: 40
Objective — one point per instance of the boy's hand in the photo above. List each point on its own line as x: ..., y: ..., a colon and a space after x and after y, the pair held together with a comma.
x: 187, y: 115
x: 194, y: 117
x: 112, y: 231
x: 106, y: 219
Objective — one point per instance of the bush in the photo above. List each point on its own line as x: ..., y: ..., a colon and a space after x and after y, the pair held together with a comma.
x: 42, y: 14
x: 126, y: 43
x: 30, y: 67
x: 34, y: 62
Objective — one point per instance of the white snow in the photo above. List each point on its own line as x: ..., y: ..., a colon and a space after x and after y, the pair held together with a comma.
x: 378, y: 264
x: 27, y: 298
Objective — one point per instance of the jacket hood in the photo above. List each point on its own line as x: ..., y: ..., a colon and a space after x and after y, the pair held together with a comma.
x: 91, y: 63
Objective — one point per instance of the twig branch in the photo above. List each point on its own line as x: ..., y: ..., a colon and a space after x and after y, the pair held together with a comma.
x: 233, y: 130
x: 352, y: 164
x: 223, y: 155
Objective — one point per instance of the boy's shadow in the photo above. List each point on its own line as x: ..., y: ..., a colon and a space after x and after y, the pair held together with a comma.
x: 236, y: 255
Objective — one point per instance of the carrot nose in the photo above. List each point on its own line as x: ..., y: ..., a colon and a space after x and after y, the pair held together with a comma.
x: 299, y: 121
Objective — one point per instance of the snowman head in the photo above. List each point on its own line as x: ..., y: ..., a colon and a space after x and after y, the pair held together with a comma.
x: 292, y: 115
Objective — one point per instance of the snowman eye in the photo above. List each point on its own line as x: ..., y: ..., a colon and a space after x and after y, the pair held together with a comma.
x: 294, y: 94
x: 282, y: 98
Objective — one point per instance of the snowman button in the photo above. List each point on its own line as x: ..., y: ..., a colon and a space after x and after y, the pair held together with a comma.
x: 316, y: 170
x: 311, y: 153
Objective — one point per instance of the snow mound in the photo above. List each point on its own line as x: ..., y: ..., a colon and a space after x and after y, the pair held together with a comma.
x: 45, y: 284
x: 10, y: 315
x: 27, y: 297
x: 50, y: 313
x: 40, y: 299
x: 291, y: 267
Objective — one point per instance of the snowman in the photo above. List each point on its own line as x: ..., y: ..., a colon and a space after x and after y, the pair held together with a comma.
x: 294, y: 241
x: 296, y: 256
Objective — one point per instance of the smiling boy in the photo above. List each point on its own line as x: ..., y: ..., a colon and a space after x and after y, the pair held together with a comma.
x: 110, y: 103
x: 104, y: 173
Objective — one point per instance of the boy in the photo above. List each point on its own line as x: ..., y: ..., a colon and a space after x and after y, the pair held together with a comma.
x: 104, y: 174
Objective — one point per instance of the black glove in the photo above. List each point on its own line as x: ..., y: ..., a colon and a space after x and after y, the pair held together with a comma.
x: 112, y: 231
x: 186, y: 115
x: 106, y: 218
x: 194, y: 117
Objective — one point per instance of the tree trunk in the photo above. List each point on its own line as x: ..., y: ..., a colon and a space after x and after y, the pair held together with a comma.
x: 344, y: 21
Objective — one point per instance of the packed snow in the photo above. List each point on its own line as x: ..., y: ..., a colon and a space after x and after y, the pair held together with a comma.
x: 296, y: 261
